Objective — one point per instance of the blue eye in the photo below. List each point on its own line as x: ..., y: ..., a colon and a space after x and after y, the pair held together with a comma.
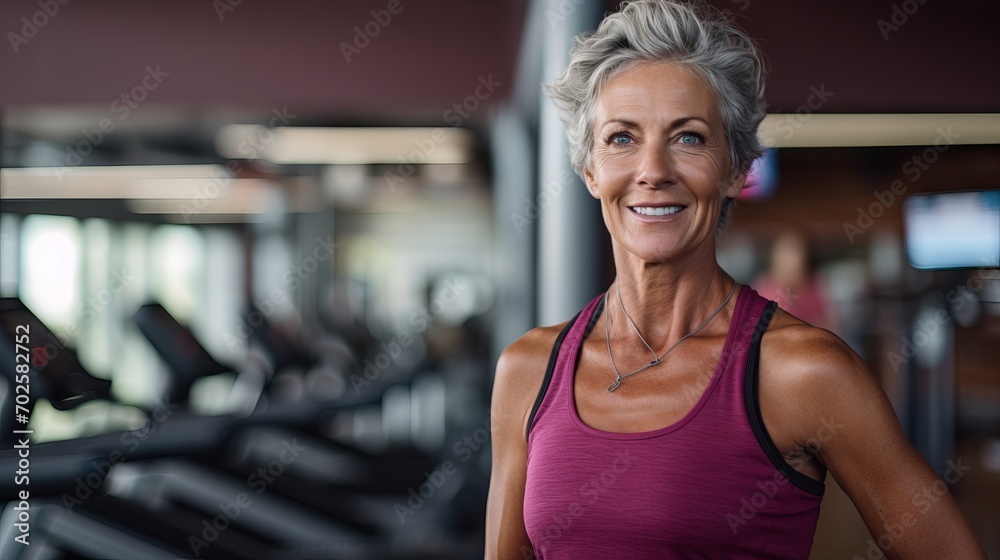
x: 618, y: 138
x: 689, y: 139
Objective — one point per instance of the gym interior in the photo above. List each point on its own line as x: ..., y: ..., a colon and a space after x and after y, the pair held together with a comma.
x: 258, y: 259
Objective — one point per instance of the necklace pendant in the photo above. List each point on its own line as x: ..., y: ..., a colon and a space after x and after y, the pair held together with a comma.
x: 614, y: 385
x: 655, y: 362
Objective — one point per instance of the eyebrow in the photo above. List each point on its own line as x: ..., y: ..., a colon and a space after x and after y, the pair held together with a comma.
x: 676, y: 122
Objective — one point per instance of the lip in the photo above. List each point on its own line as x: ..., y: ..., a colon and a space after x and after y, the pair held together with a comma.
x: 656, y: 219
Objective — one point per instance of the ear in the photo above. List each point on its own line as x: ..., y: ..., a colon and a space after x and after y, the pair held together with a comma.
x: 735, y: 186
x: 588, y: 178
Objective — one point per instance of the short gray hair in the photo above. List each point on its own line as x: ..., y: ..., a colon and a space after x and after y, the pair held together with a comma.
x: 695, y: 35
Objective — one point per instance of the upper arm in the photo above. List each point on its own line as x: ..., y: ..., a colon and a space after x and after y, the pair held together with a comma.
x: 518, y: 379
x: 835, y: 407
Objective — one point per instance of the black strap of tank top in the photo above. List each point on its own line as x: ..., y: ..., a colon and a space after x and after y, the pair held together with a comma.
x: 751, y: 398
x: 555, y: 355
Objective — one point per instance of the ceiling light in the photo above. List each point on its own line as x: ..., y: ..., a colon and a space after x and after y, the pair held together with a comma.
x: 809, y: 130
x: 359, y: 145
x: 246, y: 197
x: 115, y: 182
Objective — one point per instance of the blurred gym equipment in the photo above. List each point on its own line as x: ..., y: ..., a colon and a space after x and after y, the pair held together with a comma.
x: 285, y: 480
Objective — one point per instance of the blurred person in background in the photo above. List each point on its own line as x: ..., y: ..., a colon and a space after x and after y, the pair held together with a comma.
x: 659, y: 422
x: 791, y: 281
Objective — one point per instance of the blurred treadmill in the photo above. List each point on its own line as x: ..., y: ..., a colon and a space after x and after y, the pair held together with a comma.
x: 72, y: 518
x: 185, y: 357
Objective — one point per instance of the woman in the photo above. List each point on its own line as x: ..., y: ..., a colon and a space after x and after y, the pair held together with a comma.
x: 680, y: 415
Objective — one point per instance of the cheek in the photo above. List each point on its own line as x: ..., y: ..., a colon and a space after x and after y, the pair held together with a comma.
x: 709, y: 172
x: 611, y: 171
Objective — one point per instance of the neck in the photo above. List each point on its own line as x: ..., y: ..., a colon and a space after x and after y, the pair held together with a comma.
x: 669, y: 300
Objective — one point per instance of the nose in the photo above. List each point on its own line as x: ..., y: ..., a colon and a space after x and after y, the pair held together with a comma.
x: 656, y: 169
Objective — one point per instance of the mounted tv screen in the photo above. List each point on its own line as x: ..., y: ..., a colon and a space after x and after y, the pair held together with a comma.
x: 953, y: 230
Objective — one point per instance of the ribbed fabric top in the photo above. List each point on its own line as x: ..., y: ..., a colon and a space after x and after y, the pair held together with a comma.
x: 702, y: 487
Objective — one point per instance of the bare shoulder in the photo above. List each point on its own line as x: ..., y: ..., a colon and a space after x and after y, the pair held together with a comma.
x: 809, y: 375
x: 797, y: 354
x: 533, y: 347
x: 519, y: 375
x: 818, y: 395
x: 520, y: 372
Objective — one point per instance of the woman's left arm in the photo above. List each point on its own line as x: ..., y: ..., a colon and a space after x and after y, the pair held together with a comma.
x: 833, y: 404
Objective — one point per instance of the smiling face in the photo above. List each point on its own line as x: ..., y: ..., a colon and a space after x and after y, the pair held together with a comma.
x: 660, y: 163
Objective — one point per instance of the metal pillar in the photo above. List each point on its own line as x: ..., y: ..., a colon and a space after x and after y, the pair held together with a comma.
x: 569, y: 222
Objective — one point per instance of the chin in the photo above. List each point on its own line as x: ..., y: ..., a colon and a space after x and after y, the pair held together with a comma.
x: 664, y: 249
x: 655, y: 255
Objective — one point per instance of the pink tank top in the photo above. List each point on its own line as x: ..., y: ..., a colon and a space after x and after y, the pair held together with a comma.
x: 711, y: 485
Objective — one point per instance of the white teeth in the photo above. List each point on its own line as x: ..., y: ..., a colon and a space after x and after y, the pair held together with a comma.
x: 656, y: 211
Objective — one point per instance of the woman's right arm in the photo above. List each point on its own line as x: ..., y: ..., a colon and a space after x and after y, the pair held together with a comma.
x: 519, y: 374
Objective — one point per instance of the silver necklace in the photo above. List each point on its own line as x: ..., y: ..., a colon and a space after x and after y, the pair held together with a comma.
x: 619, y: 376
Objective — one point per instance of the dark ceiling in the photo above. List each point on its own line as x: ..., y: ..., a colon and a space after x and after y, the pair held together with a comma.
x: 262, y: 54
